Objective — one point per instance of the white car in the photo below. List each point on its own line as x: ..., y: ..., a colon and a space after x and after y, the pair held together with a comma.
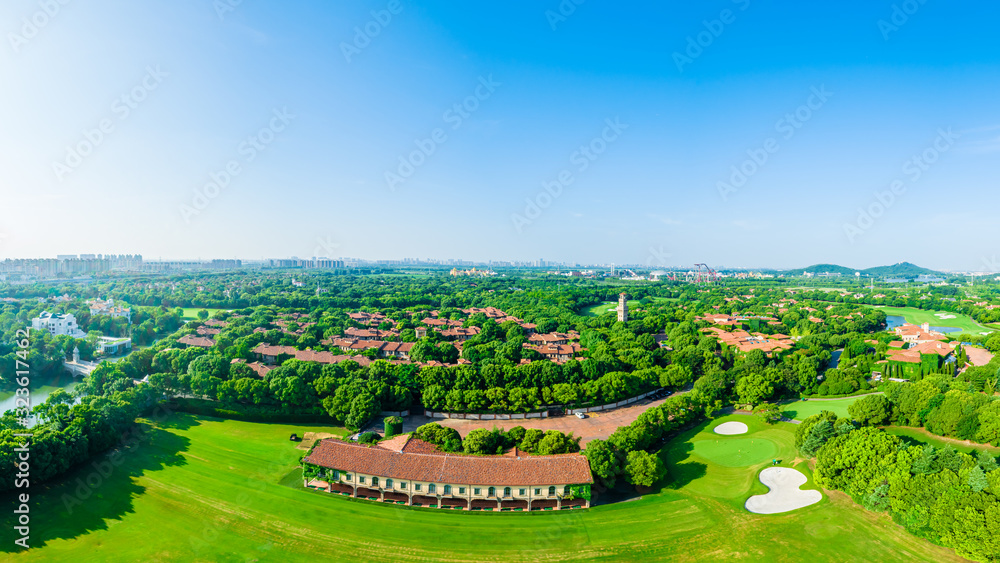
x: 581, y: 416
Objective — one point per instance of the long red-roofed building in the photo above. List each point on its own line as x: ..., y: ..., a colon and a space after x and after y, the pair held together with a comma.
x: 414, y: 472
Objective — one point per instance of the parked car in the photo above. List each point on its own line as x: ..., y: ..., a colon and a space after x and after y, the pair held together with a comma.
x: 580, y: 415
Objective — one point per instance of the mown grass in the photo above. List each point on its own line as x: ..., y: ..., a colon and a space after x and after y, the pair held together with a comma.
x: 191, y: 313
x: 920, y: 316
x: 800, y: 410
x: 204, y: 489
x: 922, y: 436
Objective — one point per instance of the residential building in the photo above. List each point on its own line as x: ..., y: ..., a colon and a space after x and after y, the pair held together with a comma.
x: 108, y: 308
x: 58, y: 325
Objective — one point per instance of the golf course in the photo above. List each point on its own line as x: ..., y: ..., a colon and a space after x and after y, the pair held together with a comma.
x: 204, y: 489
x: 801, y: 410
x: 936, y: 318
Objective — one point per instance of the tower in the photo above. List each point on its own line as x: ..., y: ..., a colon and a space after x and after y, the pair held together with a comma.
x: 622, y: 307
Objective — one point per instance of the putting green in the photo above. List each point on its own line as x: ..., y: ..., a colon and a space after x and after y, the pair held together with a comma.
x: 736, y: 452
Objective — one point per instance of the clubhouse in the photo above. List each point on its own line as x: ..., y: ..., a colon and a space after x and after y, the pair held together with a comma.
x: 410, y: 471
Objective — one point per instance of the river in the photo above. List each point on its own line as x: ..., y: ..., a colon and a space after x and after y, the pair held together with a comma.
x: 39, y: 394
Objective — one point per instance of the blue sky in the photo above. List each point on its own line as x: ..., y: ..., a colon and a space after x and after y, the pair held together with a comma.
x: 332, y: 113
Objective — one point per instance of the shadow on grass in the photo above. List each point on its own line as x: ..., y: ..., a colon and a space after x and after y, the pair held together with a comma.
x: 681, y: 470
x: 790, y: 413
x: 100, y: 490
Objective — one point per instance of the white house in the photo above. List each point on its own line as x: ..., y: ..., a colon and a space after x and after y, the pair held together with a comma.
x: 99, y: 307
x: 58, y: 325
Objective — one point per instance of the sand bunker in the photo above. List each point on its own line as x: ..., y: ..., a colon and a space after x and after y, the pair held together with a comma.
x: 731, y: 428
x: 785, y: 494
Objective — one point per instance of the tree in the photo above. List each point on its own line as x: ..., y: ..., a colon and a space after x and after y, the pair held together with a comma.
x: 871, y: 410
x: 643, y: 469
x: 753, y: 388
x: 604, y: 462
x: 363, y: 409
x: 484, y: 442
x: 532, y: 437
x: 202, y: 314
x: 818, y: 435
x: 770, y: 412
x: 977, y: 479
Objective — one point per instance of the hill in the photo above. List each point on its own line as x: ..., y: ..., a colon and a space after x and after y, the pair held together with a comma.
x: 823, y: 268
x: 900, y: 270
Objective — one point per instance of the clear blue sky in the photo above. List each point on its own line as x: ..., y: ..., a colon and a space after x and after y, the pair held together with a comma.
x: 688, y: 115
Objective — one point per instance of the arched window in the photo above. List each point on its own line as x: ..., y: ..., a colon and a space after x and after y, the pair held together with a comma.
x: 374, y: 481
x: 506, y: 491
x: 493, y: 492
x: 432, y: 488
x: 388, y: 483
x: 552, y: 491
x: 447, y: 489
x: 566, y: 490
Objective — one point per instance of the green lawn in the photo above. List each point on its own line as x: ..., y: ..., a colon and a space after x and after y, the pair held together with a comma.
x: 204, y: 489
x: 919, y: 435
x: 729, y: 451
x: 191, y: 313
x: 920, y: 316
x: 606, y: 307
x: 800, y: 410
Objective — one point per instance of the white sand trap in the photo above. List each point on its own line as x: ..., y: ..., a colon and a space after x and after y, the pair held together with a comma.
x: 785, y: 494
x: 731, y: 428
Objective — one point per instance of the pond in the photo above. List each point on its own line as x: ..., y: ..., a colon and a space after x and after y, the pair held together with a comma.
x: 892, y: 321
x: 40, y: 393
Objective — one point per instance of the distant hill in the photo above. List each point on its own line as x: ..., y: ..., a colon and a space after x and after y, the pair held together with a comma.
x: 823, y: 268
x: 900, y: 270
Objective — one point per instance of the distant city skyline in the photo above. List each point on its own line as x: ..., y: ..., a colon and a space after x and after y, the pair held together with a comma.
x: 735, y: 133
x: 340, y: 261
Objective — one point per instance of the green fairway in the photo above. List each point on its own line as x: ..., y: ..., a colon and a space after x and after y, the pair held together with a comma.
x: 205, y: 489
x: 606, y: 307
x: 736, y: 452
x: 800, y: 410
x: 191, y: 313
x: 920, y: 316
x: 921, y: 436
